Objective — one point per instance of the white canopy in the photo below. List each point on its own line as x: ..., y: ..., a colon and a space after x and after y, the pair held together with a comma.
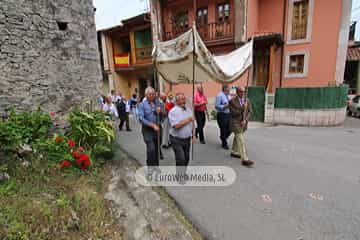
x: 174, y: 60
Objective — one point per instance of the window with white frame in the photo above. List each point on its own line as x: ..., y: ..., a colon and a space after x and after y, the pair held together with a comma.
x: 297, y: 64
x: 300, y: 21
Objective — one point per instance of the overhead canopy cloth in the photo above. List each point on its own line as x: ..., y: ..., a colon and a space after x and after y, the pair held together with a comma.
x: 174, y: 60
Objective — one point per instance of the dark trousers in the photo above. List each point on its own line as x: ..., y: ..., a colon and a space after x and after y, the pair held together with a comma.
x: 124, y: 118
x: 200, y: 124
x: 223, y: 120
x: 181, y: 149
x: 152, y: 146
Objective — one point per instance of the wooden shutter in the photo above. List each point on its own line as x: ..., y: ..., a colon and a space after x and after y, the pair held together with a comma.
x: 300, y: 19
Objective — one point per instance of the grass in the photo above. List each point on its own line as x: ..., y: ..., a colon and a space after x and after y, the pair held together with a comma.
x: 45, y: 202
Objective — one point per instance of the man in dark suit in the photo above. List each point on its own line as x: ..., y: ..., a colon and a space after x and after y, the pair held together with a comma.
x: 240, y: 108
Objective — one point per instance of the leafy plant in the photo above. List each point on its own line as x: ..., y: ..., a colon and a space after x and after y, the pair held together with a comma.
x: 23, y: 128
x: 91, y: 129
x: 64, y: 152
x: 55, y: 149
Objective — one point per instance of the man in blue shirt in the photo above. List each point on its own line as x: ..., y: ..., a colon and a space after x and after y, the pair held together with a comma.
x: 223, y: 115
x: 150, y: 115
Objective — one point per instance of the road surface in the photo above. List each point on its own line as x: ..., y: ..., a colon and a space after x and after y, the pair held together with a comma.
x: 305, y: 184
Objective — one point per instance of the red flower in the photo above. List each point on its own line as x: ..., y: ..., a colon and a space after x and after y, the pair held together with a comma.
x: 59, y: 139
x: 83, y: 162
x: 76, y: 154
x: 65, y: 164
x: 52, y: 114
x: 71, y: 143
x: 81, y: 149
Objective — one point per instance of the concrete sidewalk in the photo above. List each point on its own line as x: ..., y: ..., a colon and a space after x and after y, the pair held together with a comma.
x: 304, y: 184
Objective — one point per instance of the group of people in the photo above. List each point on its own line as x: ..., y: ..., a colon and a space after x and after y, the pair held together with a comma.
x: 167, y: 121
x: 119, y: 107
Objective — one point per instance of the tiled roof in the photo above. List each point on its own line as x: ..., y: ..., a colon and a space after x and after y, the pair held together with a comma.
x: 353, y: 54
x: 264, y: 35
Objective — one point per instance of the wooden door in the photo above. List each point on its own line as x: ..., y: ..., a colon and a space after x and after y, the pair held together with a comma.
x: 261, y: 67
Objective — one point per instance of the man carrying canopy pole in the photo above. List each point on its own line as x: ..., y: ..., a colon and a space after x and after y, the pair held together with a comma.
x: 150, y: 111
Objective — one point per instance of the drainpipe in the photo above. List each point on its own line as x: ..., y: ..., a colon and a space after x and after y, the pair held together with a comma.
x: 283, y: 46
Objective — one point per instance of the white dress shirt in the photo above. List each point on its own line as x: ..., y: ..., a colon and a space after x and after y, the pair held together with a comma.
x: 110, y: 108
x: 176, y: 115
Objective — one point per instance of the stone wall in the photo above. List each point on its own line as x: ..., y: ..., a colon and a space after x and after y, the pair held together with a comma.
x: 310, y: 117
x: 48, y: 54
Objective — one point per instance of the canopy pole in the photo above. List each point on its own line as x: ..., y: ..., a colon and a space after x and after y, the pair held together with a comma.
x: 193, y: 88
x: 158, y: 120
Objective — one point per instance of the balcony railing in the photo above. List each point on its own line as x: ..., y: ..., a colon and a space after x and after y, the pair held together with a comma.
x: 144, y: 53
x: 209, y: 32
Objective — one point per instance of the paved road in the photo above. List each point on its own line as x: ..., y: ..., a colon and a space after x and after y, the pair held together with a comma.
x: 293, y: 164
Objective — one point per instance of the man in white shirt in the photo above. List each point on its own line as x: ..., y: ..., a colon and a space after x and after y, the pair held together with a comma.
x: 181, y: 122
x: 114, y: 97
x: 109, y: 107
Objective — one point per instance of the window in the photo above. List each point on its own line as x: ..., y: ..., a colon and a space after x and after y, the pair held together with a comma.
x: 180, y: 20
x: 62, y: 25
x: 297, y: 64
x: 300, y: 21
x: 223, y: 12
x: 202, y: 17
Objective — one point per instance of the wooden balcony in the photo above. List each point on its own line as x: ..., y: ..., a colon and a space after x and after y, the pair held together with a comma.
x: 143, y: 55
x: 216, y: 32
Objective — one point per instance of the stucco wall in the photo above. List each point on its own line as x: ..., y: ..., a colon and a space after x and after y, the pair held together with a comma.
x: 322, y: 47
x: 41, y: 65
x: 252, y: 16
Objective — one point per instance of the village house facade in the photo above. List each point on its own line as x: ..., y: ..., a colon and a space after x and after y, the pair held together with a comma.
x: 297, y: 43
x: 126, y: 56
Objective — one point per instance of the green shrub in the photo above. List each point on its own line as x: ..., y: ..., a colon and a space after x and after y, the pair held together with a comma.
x: 23, y: 128
x: 54, y: 150
x: 92, y: 130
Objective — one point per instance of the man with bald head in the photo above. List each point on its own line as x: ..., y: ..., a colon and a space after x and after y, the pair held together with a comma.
x: 181, y: 131
x: 240, y: 108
